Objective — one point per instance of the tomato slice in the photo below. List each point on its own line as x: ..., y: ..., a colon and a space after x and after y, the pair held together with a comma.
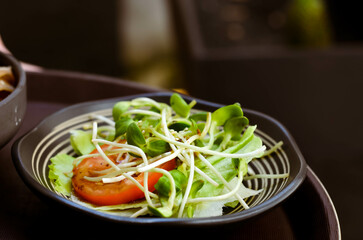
x: 111, y: 193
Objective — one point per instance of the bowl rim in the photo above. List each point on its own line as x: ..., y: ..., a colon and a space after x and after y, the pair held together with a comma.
x: 263, y: 207
x: 16, y: 67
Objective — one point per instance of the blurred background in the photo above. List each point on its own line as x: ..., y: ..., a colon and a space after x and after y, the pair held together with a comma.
x: 299, y: 61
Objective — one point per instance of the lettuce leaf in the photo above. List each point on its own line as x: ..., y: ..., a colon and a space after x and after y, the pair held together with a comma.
x: 227, y: 168
x: 209, y: 209
x: 252, y: 145
x: 60, y: 171
x: 246, y: 138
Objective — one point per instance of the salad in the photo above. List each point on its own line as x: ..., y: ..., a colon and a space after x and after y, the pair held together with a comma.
x: 165, y: 160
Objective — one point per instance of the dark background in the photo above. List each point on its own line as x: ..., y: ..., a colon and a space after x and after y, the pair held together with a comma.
x: 73, y: 35
x: 314, y: 90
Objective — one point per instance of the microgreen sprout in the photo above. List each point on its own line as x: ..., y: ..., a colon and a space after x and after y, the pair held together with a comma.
x: 179, y: 105
x: 233, y: 129
x: 219, y: 118
x: 118, y: 109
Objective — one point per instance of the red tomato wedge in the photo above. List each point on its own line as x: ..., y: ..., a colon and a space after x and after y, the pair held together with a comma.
x: 100, y: 193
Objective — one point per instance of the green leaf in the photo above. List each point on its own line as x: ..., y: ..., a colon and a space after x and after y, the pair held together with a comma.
x: 121, y: 126
x: 199, y: 116
x: 155, y: 109
x: 123, y: 206
x: 163, y: 184
x: 201, y: 126
x: 179, y: 124
x: 164, y: 190
x: 221, y: 115
x: 226, y: 167
x: 149, y: 122
x: 232, y: 204
x: 81, y: 142
x: 246, y: 138
x: 156, y: 147
x: 179, y: 106
x: 119, y: 108
x: 161, y: 211
x: 199, y: 143
x: 134, y: 136
x: 183, y: 168
x: 196, y: 186
x: 60, y: 171
x: 241, y: 163
x: 252, y: 145
x: 234, y: 126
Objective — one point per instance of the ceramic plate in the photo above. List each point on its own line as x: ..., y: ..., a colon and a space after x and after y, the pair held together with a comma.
x: 32, y: 152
